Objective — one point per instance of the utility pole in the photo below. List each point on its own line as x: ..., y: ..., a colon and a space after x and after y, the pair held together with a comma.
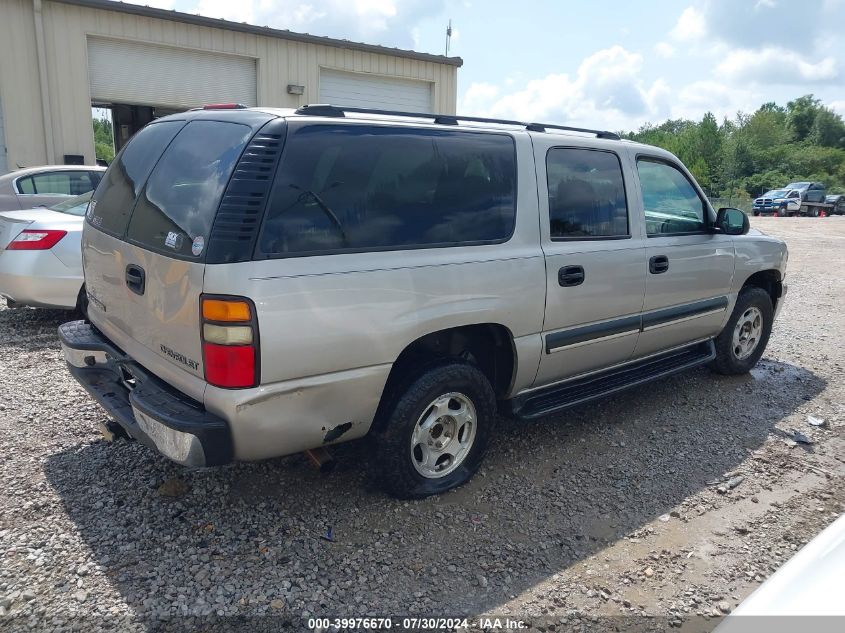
x: 448, y: 36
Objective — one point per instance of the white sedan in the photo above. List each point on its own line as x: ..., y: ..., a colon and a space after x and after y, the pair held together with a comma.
x: 45, y: 185
x: 41, y: 255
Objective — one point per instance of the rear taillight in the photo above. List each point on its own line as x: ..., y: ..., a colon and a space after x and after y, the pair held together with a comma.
x: 229, y: 342
x: 35, y: 240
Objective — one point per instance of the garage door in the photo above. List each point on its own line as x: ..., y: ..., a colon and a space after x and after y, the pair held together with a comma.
x: 144, y: 74
x: 2, y: 142
x: 374, y: 91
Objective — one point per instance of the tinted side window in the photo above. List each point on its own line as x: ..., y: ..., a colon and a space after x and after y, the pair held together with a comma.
x: 352, y: 187
x: 586, y: 194
x: 176, y: 209
x: 25, y: 185
x: 68, y: 183
x: 115, y: 197
x: 672, y: 205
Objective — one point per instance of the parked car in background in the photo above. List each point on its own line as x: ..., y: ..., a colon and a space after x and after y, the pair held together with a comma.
x: 41, y: 257
x: 50, y: 184
x: 797, y: 198
x: 776, y: 200
x: 837, y: 203
x: 808, y: 584
x: 398, y: 276
x: 809, y: 191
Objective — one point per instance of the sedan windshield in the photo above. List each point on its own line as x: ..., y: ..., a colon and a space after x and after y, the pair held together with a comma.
x: 74, y: 206
x: 775, y: 193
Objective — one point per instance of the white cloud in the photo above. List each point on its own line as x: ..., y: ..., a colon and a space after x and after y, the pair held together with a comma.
x: 606, y: 91
x: 477, y: 98
x: 664, y: 50
x: 838, y: 107
x: 758, y: 24
x: 775, y: 66
x: 698, y: 97
x: 385, y: 22
x: 690, y: 26
x: 242, y: 11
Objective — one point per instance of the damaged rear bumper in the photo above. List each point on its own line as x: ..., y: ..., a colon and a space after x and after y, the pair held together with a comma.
x: 148, y: 409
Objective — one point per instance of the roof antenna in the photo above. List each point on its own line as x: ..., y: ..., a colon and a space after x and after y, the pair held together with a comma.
x: 448, y: 36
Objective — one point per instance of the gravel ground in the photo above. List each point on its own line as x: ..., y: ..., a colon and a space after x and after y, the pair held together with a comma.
x: 674, y: 500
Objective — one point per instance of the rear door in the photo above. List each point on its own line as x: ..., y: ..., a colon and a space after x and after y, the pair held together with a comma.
x: 145, y: 243
x: 595, y: 260
x: 690, y: 268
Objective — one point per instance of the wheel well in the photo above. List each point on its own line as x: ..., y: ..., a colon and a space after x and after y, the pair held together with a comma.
x: 768, y: 280
x: 488, y: 346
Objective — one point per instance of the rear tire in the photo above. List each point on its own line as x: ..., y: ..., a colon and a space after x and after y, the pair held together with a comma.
x: 741, y: 344
x: 435, y: 433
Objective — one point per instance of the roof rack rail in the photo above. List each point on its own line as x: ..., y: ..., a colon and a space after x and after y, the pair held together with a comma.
x: 322, y: 109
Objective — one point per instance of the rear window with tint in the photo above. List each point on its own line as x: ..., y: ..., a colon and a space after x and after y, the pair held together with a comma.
x: 116, y: 195
x: 176, y: 209
x: 67, y: 183
x: 356, y: 187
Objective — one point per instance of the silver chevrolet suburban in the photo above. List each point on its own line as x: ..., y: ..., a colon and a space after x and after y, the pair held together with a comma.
x: 263, y: 282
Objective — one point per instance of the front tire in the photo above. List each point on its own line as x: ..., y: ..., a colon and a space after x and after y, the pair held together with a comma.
x: 743, y: 341
x: 436, y: 432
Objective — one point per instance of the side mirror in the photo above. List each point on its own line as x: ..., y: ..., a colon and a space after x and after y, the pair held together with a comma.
x: 732, y: 221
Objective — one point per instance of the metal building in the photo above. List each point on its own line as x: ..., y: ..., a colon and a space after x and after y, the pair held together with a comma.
x: 58, y: 58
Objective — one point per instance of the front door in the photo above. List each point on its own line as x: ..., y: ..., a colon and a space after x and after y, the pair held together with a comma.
x: 690, y: 269
x: 595, y: 261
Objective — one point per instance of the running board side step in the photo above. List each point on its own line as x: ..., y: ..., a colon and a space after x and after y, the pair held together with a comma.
x: 581, y: 390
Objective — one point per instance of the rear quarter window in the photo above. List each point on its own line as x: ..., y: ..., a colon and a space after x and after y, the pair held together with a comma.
x: 65, y: 183
x: 118, y: 191
x: 347, y: 188
x: 177, y: 206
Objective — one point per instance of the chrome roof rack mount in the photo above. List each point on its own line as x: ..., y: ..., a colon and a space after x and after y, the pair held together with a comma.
x: 326, y: 110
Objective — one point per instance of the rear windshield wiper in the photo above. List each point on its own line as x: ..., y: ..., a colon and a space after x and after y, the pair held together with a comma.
x: 325, y: 208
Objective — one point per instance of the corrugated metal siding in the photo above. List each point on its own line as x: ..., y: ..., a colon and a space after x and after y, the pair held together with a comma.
x: 66, y: 32
x: 167, y: 76
x: 365, y: 90
x: 24, y: 127
x: 3, y: 169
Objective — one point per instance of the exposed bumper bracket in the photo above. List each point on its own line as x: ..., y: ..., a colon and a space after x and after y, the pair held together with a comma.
x: 151, y: 412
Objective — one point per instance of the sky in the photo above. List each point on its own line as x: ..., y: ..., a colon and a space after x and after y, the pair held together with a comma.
x: 598, y: 63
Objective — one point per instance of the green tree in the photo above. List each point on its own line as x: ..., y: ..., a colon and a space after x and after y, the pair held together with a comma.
x: 828, y: 129
x: 708, y: 149
x: 103, y: 139
x: 752, y: 153
x: 801, y: 114
x: 767, y: 128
